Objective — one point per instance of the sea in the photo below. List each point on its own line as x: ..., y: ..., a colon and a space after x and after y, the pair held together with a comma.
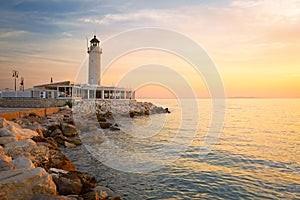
x: 255, y: 154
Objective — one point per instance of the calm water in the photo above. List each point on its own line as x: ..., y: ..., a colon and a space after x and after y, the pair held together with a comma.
x: 257, y: 156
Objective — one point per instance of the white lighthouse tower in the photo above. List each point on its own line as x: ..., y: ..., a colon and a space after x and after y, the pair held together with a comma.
x: 94, y: 52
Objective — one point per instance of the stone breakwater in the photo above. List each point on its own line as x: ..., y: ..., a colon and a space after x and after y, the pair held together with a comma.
x: 106, y: 110
x: 33, y: 164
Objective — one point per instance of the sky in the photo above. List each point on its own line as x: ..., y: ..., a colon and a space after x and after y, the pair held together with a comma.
x: 254, y: 44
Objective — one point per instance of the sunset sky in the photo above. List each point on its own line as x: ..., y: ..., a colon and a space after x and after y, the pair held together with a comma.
x: 255, y: 44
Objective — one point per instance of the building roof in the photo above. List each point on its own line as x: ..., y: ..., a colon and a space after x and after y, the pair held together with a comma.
x: 47, y: 85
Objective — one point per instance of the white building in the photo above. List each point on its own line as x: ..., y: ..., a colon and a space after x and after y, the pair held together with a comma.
x: 92, y: 90
x: 94, y: 52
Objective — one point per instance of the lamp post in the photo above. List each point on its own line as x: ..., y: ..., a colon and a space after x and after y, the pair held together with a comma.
x: 15, y: 74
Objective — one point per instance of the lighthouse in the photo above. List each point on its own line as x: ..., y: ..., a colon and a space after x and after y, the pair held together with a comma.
x: 94, y: 51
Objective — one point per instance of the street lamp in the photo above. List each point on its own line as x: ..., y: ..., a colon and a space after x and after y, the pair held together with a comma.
x: 15, y: 74
x: 22, y: 84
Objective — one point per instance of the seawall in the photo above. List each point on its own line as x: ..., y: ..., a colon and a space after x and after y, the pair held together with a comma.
x: 39, y: 111
x: 31, y: 102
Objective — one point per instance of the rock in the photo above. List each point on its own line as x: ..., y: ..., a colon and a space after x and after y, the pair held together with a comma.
x: 147, y: 112
x: 82, y: 182
x: 33, y: 117
x: 103, y: 195
x: 59, y: 160
x: 29, y: 149
x: 56, y: 132
x: 46, y: 132
x: 158, y: 110
x: 25, y: 183
x: 36, y: 127
x: 91, y: 195
x: 69, y: 120
x: 52, y: 143
x: 67, y: 184
x: 5, y: 166
x: 68, y: 144
x: 88, y: 181
x: 40, y: 155
x: 104, y: 125
x: 53, y: 126
x: 2, y: 122
x: 69, y: 130
x: 6, y: 140
x: 105, y: 191
x: 101, y: 119
x: 14, y: 130
x: 60, y: 139
x: 38, y: 139
x: 75, y: 141
x: 5, y: 157
x: 167, y: 110
x: 20, y: 148
x: 132, y: 114
x: 23, y: 163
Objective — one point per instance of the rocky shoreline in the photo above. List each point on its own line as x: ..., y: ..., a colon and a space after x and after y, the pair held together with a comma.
x: 33, y: 162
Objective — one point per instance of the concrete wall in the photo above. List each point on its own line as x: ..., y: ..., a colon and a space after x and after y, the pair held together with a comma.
x: 39, y: 111
x: 31, y: 102
x: 20, y: 94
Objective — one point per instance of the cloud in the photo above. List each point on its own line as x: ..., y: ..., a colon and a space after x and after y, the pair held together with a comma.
x: 126, y: 17
x: 12, y: 34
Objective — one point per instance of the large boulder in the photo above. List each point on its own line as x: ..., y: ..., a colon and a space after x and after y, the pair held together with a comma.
x: 69, y: 130
x: 40, y: 155
x: 67, y: 184
x: 59, y: 160
x: 20, y: 148
x: 88, y: 181
x: 29, y: 149
x: 14, y: 132
x: 72, y: 182
x: 25, y: 183
x: 23, y: 163
x: 36, y: 127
